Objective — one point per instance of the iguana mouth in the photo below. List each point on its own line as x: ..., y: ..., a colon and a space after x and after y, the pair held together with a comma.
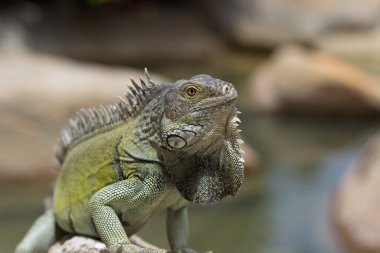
x: 225, y: 100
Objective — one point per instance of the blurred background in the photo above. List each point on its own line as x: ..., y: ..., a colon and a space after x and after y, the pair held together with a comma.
x: 308, y: 76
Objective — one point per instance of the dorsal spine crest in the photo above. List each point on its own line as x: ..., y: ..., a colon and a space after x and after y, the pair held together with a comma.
x: 90, y: 121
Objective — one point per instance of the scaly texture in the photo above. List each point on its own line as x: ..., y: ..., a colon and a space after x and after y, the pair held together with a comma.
x: 90, y: 121
x: 162, y: 146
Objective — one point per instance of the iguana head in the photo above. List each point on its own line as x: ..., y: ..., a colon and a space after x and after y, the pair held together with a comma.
x: 200, y: 139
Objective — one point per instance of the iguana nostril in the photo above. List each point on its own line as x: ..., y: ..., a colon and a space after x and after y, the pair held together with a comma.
x: 226, y: 89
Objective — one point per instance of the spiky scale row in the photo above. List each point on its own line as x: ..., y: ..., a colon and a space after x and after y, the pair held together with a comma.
x: 236, y: 121
x: 89, y: 121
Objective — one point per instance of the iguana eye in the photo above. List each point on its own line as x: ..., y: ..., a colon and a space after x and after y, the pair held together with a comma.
x: 191, y: 91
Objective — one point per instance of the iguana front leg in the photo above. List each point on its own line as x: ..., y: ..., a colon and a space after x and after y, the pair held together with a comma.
x: 178, y: 230
x: 129, y: 192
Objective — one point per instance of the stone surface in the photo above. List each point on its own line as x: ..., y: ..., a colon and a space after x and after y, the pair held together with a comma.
x: 78, y: 244
x: 270, y: 23
x: 307, y: 81
x: 251, y: 158
x: 81, y: 244
x: 116, y: 32
x: 139, y: 34
x: 359, y: 46
x: 38, y: 95
x: 357, y: 203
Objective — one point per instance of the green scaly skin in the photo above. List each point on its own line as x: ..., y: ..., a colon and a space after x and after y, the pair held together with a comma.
x: 179, y: 145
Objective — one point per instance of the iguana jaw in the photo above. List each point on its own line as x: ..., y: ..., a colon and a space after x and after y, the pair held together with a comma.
x: 211, y: 172
x: 217, y: 101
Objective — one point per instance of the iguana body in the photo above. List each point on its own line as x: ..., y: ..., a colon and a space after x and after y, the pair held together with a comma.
x: 162, y: 146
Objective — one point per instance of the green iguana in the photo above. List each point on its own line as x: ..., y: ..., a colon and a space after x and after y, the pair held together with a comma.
x: 160, y: 147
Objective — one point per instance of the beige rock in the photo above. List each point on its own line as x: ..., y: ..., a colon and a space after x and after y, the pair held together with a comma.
x: 299, y: 80
x: 149, y: 34
x: 251, y: 158
x: 357, y: 203
x: 38, y: 95
x: 269, y: 23
x: 80, y: 244
x: 359, y: 46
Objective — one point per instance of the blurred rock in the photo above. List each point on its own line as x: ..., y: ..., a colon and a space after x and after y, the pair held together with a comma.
x: 268, y: 23
x: 357, y: 205
x: 137, y: 35
x: 306, y: 81
x: 38, y: 95
x: 80, y: 244
x: 14, y: 23
x: 359, y: 46
x: 251, y: 158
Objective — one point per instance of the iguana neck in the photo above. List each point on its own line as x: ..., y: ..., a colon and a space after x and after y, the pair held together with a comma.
x: 211, y: 172
x: 148, y: 128
x: 142, y: 136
